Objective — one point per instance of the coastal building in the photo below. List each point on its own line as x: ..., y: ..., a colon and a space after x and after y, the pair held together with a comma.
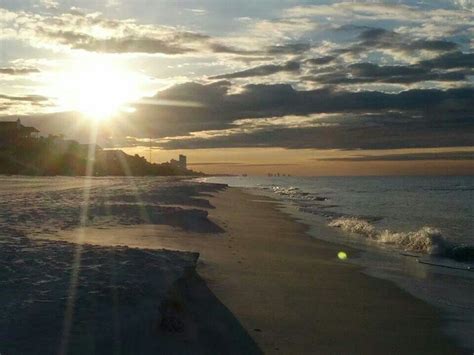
x: 181, y: 163
x: 14, y: 133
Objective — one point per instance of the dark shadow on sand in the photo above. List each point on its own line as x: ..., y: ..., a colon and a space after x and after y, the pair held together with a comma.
x: 196, y: 322
x: 127, y: 301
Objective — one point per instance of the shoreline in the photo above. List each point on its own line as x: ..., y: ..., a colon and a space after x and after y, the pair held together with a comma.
x: 375, y: 294
x: 408, y: 274
x: 288, y: 290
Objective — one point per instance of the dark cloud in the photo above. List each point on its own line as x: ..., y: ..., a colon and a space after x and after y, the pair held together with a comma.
x: 196, y: 115
x: 380, y: 37
x: 436, y: 46
x: 375, y: 34
x: 291, y: 48
x: 361, y: 120
x: 223, y: 48
x: 251, y: 58
x: 281, y: 99
x: 450, y: 64
x: 177, y: 42
x: 370, y: 120
x: 26, y: 98
x: 65, y: 37
x: 262, y: 70
x: 370, y: 38
x: 190, y: 36
x: 18, y: 71
x: 395, y: 74
x: 195, y: 92
x: 187, y: 107
x: 173, y: 43
x: 451, y: 60
x: 131, y: 44
x: 271, y: 51
x: 336, y: 138
x: 12, y: 103
x: 375, y: 71
x: 321, y: 60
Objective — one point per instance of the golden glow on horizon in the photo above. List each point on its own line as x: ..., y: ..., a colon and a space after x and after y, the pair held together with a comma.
x: 96, y: 86
x: 309, y: 162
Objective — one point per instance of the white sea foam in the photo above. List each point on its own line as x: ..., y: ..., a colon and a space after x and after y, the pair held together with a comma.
x: 425, y: 240
x: 295, y: 193
x: 355, y: 225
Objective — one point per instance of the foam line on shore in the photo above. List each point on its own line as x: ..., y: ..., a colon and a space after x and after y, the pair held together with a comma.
x: 427, y: 240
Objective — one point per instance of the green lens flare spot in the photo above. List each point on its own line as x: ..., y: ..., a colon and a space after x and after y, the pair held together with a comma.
x: 342, y: 255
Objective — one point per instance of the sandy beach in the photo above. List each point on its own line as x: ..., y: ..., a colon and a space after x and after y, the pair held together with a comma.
x: 77, y: 296
x: 236, y: 177
x: 288, y: 291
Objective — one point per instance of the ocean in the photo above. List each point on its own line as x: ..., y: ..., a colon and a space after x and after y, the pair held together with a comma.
x: 416, y: 231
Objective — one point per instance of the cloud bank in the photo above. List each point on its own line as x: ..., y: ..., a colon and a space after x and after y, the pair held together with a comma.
x: 345, y: 75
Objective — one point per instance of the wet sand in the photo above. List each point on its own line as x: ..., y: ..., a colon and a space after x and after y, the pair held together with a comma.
x: 290, y: 292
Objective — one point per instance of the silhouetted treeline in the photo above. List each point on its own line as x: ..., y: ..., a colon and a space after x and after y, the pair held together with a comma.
x: 56, y: 156
x: 116, y: 162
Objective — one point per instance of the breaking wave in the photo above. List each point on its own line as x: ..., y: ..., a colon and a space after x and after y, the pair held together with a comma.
x: 426, y: 240
x: 295, y: 193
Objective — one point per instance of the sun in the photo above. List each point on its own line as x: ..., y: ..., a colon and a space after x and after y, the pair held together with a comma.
x: 96, y: 86
x: 99, y: 92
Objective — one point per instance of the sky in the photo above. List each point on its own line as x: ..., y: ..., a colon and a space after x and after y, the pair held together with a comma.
x: 296, y: 87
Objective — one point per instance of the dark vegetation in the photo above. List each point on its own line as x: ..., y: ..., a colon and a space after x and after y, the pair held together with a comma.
x: 56, y: 156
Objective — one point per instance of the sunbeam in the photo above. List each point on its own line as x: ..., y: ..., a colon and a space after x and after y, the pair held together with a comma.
x: 76, y: 262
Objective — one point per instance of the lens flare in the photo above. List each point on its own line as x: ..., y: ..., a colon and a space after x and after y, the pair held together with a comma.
x: 342, y: 255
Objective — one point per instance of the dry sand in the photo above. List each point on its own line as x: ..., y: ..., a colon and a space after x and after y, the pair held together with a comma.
x: 290, y: 292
